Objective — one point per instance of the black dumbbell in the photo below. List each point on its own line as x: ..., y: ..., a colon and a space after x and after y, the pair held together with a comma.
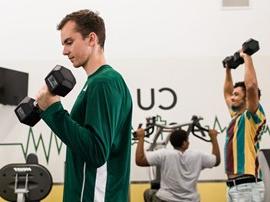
x: 233, y: 61
x: 249, y: 47
x: 60, y: 81
x: 229, y: 61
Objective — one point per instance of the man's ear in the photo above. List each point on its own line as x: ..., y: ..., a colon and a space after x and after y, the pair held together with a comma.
x: 184, y: 144
x: 92, y: 37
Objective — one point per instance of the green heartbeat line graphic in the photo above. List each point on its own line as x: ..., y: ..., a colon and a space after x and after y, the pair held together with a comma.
x: 39, y: 143
x: 217, y: 126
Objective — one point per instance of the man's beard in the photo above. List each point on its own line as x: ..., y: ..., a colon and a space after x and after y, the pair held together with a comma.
x: 237, y: 108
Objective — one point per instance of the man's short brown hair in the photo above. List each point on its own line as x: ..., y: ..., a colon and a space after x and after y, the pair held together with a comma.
x: 86, y: 22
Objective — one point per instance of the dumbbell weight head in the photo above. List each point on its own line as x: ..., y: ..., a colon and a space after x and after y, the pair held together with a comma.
x: 250, y: 46
x: 28, y: 112
x: 60, y: 81
x: 232, y: 61
x: 228, y: 62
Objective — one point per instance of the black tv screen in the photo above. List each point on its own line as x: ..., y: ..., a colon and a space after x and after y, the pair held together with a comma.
x: 13, y: 86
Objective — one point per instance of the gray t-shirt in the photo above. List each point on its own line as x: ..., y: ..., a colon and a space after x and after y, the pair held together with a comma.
x: 179, y: 172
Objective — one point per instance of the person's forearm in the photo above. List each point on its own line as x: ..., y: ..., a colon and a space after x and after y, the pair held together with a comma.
x: 228, y: 83
x: 140, y: 152
x: 250, y: 77
x: 215, y: 150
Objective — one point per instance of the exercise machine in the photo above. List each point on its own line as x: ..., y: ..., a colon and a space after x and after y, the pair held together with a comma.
x: 25, y: 182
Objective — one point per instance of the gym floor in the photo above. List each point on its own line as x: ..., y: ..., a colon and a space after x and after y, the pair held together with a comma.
x: 209, y: 192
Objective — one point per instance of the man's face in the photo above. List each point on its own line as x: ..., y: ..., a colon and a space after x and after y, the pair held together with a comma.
x: 238, y: 99
x: 75, y: 47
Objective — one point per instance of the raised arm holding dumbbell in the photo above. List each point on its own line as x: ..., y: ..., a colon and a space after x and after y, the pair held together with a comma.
x: 245, y: 128
x: 249, y: 47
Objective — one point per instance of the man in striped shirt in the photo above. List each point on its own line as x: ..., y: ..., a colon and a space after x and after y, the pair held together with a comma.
x: 243, y: 134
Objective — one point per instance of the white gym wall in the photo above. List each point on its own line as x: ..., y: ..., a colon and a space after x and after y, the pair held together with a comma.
x: 154, y: 44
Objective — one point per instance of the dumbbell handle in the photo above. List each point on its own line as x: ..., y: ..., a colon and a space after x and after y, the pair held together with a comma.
x: 250, y: 46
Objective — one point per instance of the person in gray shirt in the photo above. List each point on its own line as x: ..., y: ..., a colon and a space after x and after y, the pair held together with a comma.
x: 180, y: 167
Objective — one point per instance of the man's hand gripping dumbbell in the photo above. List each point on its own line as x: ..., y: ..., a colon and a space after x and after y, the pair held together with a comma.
x: 60, y: 81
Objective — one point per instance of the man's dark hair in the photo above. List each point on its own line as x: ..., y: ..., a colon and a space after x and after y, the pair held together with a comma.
x: 86, y: 22
x: 177, y: 138
x: 243, y: 86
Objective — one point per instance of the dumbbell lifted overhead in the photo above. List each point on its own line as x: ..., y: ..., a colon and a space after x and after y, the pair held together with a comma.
x: 249, y: 47
x: 60, y: 81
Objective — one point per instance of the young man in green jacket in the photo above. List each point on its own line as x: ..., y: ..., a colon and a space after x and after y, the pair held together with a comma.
x: 97, y: 132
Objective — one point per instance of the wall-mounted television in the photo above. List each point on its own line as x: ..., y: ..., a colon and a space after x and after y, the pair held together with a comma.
x: 13, y: 86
